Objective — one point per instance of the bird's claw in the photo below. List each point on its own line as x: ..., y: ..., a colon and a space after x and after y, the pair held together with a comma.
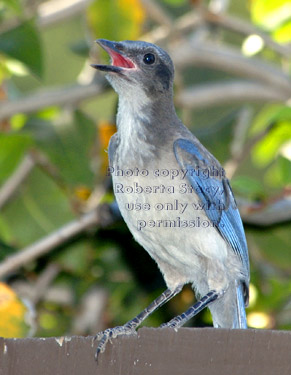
x: 111, y: 333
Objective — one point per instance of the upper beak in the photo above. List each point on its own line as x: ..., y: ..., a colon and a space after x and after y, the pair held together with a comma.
x: 119, y: 61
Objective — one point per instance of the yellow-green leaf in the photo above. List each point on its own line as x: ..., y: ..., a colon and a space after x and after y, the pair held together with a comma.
x: 266, y: 150
x: 23, y: 43
x: 283, y: 33
x: 12, y: 314
x: 270, y: 14
x: 268, y: 115
x: 279, y: 174
x: 116, y: 19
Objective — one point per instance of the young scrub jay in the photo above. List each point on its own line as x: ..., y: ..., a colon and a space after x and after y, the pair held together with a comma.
x: 172, y: 193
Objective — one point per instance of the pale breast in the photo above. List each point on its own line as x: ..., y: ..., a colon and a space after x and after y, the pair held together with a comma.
x: 165, y: 216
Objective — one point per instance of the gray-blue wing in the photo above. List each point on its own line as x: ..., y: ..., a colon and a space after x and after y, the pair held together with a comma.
x: 207, y: 178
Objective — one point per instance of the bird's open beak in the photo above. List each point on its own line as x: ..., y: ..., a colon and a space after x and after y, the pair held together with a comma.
x: 119, y: 61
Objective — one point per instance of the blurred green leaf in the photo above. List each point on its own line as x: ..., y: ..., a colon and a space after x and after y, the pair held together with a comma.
x: 270, y: 14
x: 5, y: 250
x: 14, y: 5
x: 283, y: 33
x: 53, y: 319
x: 49, y: 113
x: 116, y: 19
x: 273, y: 244
x: 269, y: 115
x: 75, y: 258
x: 266, y: 150
x: 17, y: 121
x: 12, y: 148
x: 247, y: 186
x: 285, y: 170
x: 279, y: 174
x: 67, y: 142
x: 23, y: 43
x: 6, y: 235
x: 175, y: 3
x: 40, y: 208
x: 81, y: 48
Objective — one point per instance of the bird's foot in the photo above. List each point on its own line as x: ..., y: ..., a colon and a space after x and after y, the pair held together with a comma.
x: 111, y: 333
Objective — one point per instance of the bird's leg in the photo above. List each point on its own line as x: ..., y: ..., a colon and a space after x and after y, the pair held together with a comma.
x: 180, y: 320
x: 130, y: 327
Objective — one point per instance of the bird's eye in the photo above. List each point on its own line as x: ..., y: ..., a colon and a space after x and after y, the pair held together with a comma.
x: 149, y: 58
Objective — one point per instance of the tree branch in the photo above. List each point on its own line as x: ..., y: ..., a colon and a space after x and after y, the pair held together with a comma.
x: 200, y: 95
x: 9, y: 188
x: 102, y: 215
x: 244, y: 149
x: 194, y: 19
x: 48, y: 13
x: 50, y: 242
x: 54, y: 11
x: 208, y: 54
x: 228, y: 92
x: 266, y: 214
x: 157, y: 13
x: 59, y: 97
x: 183, y: 25
x: 243, y: 27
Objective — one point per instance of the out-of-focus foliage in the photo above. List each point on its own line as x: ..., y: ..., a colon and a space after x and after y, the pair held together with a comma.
x: 175, y: 2
x: 116, y: 19
x: 13, y: 146
x: 274, y: 16
x: 18, y: 44
x: 273, y: 150
x: 68, y: 142
x: 14, y: 314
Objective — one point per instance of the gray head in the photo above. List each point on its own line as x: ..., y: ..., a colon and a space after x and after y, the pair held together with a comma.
x: 138, y: 65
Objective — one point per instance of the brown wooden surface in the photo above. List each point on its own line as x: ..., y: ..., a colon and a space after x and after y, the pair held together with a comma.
x: 154, y: 351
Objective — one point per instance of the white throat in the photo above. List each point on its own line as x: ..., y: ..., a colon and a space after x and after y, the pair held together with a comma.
x: 132, y: 121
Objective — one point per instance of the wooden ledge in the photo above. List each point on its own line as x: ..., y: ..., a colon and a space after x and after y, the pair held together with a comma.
x: 188, y: 351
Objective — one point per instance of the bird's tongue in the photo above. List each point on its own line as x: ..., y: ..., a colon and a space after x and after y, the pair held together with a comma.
x: 119, y: 60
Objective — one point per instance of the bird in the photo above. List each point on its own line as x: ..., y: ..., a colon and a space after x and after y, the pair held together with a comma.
x: 172, y: 193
